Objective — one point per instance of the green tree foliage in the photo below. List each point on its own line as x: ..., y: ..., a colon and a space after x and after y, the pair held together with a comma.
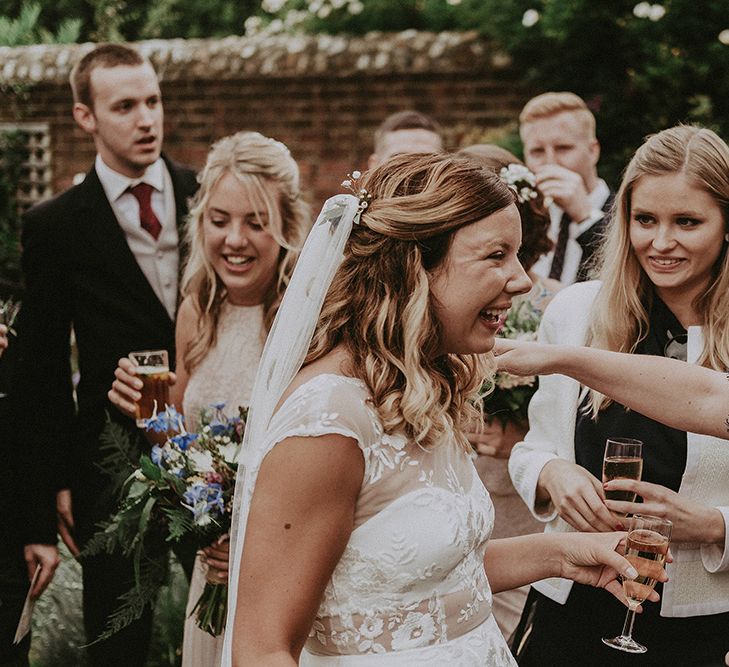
x: 24, y: 26
x: 23, y: 22
x: 641, y: 67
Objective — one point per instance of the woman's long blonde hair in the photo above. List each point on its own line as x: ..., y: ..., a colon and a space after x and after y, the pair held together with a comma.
x: 255, y: 161
x: 380, y: 307
x: 619, y: 318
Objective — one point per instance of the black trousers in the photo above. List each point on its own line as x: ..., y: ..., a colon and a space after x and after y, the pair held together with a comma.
x: 553, y: 634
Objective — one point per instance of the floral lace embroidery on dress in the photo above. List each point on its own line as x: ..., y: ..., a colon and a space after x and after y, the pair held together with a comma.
x: 412, y: 573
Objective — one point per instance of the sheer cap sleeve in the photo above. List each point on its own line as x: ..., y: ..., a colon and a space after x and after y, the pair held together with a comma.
x: 328, y: 404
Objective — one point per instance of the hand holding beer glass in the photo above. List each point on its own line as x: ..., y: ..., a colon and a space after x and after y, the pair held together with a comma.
x: 153, y: 369
x: 646, y: 548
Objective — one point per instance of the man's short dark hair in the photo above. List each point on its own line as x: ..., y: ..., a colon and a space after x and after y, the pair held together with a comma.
x: 104, y: 55
x: 405, y: 120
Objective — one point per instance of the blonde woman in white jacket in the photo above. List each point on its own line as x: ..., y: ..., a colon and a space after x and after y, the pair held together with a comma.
x: 664, y: 291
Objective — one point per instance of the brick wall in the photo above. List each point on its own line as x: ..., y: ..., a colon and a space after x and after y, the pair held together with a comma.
x: 323, y: 96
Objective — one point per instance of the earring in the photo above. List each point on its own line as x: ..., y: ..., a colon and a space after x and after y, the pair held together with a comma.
x: 726, y: 237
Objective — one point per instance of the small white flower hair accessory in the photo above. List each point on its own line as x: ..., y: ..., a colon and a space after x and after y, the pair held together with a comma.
x: 521, y: 180
x: 350, y: 183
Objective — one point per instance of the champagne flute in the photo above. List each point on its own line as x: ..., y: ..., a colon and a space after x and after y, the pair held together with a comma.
x: 646, y: 548
x: 623, y: 460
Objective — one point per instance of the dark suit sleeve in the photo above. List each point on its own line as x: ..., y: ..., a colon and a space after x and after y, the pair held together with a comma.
x: 42, y: 386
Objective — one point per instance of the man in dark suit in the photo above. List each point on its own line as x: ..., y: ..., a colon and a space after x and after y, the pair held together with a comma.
x: 560, y: 147
x: 100, y: 259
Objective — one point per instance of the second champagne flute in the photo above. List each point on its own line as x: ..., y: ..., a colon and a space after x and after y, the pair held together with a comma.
x: 646, y: 548
x: 623, y: 460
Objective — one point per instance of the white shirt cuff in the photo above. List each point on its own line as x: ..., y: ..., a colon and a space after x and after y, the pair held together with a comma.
x: 715, y: 557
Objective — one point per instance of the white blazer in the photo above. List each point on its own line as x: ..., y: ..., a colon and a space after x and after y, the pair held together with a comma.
x: 699, y: 576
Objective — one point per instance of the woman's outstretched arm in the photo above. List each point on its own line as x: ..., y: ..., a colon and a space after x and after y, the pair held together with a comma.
x: 681, y: 395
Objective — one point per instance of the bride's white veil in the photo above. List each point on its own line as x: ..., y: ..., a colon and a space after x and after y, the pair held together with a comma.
x: 284, y: 353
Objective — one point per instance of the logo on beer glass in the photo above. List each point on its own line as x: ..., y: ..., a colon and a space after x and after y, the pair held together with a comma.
x: 153, y: 369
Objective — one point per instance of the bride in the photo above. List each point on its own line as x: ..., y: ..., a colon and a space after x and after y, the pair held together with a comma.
x: 361, y: 527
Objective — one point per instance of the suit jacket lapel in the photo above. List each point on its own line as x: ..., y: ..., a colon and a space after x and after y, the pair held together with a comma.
x: 105, y: 233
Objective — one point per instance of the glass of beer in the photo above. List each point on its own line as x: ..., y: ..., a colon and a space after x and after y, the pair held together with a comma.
x: 623, y: 460
x: 153, y: 369
x: 646, y: 548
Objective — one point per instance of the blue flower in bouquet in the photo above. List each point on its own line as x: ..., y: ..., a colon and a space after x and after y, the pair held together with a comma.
x: 168, y: 458
x: 205, y: 501
x: 218, y: 427
x: 167, y: 420
x: 184, y: 440
x: 157, y: 455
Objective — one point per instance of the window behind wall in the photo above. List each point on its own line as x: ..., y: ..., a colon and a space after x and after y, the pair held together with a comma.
x: 25, y: 179
x: 25, y: 162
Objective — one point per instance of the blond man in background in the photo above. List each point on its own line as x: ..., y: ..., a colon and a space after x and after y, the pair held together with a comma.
x: 561, y: 148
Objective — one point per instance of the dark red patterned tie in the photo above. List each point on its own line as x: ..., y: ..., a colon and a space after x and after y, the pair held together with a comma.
x: 560, y: 248
x: 147, y: 218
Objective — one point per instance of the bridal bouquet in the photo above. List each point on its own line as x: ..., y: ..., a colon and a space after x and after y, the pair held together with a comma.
x: 507, y: 397
x: 182, y: 489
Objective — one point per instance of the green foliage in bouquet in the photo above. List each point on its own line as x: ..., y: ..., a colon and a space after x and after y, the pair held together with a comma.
x: 181, y: 489
x: 507, y: 397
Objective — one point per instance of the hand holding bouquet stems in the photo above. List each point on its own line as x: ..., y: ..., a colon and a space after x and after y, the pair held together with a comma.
x: 182, y: 487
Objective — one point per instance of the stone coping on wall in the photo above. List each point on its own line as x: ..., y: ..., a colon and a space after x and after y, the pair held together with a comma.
x: 282, y: 56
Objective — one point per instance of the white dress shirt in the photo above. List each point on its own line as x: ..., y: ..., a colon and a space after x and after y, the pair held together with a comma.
x: 573, y: 251
x: 158, y: 259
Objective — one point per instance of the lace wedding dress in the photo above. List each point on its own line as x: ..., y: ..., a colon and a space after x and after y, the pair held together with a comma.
x: 226, y: 374
x: 410, y: 588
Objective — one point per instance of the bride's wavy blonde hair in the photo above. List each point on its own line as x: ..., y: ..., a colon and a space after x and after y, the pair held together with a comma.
x: 380, y: 307
x: 619, y: 317
x: 256, y: 161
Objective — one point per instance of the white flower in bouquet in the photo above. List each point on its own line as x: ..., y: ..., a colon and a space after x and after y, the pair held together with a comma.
x: 229, y: 451
x: 202, y: 462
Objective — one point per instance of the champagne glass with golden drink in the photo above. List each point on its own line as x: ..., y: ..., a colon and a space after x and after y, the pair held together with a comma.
x: 153, y: 369
x: 623, y: 460
x: 646, y: 548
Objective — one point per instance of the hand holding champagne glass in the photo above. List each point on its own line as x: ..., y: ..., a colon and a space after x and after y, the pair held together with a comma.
x: 623, y: 460
x: 153, y: 369
x: 646, y: 548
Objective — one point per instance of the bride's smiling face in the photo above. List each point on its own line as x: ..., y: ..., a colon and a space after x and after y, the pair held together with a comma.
x: 473, y: 288
x: 237, y: 242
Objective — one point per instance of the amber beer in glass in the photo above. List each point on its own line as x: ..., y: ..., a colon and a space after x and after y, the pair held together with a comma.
x: 153, y: 369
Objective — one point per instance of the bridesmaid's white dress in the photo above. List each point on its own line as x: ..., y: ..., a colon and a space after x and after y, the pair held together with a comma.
x: 226, y: 374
